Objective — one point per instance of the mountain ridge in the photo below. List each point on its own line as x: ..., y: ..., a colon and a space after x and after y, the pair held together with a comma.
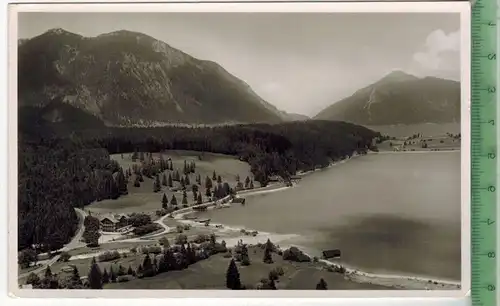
x: 399, y: 98
x: 125, y: 77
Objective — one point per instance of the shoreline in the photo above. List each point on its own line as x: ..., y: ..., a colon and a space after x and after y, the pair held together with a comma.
x: 406, y: 281
x: 231, y: 235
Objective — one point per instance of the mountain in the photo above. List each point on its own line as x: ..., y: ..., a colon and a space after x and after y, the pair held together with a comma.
x: 294, y: 117
x: 126, y: 78
x: 399, y: 98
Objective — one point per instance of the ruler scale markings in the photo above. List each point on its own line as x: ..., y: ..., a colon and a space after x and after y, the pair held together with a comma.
x: 484, y: 148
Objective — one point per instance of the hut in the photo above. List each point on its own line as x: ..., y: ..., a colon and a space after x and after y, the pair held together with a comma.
x: 331, y: 254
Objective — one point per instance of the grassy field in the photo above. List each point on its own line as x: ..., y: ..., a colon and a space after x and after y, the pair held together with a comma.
x: 426, y: 129
x: 109, y: 246
x: 439, y: 143
x: 143, y: 199
x: 83, y: 265
x: 211, y: 274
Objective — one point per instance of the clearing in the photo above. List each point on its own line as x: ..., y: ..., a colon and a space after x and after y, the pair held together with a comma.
x: 143, y: 199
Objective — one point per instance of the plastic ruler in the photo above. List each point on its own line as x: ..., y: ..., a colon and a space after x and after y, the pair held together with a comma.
x: 485, y: 122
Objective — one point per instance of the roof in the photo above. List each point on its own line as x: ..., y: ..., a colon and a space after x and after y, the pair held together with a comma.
x: 119, y: 216
x: 115, y: 218
x: 109, y: 217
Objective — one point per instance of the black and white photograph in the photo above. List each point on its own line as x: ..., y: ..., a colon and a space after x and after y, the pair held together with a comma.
x: 239, y: 149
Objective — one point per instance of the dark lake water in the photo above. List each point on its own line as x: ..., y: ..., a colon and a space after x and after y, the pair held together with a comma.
x: 388, y: 213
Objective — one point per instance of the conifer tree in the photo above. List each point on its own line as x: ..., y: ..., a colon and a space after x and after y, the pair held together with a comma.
x: 233, y: 281
x: 216, y: 192
x: 137, y: 182
x: 173, y: 202
x: 208, y: 193
x: 184, y: 253
x: 112, y: 274
x: 155, y: 265
x: 164, y: 179
x: 272, y: 285
x: 187, y: 181
x: 170, y: 181
x: 147, y: 266
x: 208, y: 183
x: 199, y: 200
x: 268, y: 258
x: 48, y: 272
x: 33, y: 280
x: 219, y: 179
x: 322, y: 285
x: 121, y: 270
x: 247, y: 182
x: 105, y: 277
x: 121, y: 182
x: 214, y: 176
x: 245, y: 259
x: 76, y: 275
x: 139, y: 271
x: 157, y: 186
x: 184, y: 198
x: 226, y: 189
x: 95, y: 276
x: 191, y: 255
x: 164, y: 202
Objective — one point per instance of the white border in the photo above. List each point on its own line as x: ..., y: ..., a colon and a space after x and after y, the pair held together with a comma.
x: 463, y: 8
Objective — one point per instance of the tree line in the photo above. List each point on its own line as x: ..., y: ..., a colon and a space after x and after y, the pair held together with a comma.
x: 61, y: 169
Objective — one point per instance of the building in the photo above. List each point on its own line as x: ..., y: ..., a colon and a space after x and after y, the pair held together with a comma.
x: 239, y: 200
x: 331, y: 254
x: 111, y: 223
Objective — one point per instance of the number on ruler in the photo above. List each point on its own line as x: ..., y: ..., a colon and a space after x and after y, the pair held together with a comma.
x: 488, y: 221
x: 491, y: 288
x: 491, y: 254
x: 491, y: 156
x: 492, y: 56
x: 492, y: 122
x: 491, y: 188
x: 492, y: 89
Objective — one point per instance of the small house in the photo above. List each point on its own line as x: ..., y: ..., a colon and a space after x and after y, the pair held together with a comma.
x: 108, y: 223
x: 239, y: 200
x: 331, y: 254
x: 122, y: 220
x: 274, y: 178
x: 111, y: 223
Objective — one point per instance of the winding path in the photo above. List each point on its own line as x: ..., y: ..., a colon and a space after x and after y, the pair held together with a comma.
x: 76, y: 240
x: 74, y: 243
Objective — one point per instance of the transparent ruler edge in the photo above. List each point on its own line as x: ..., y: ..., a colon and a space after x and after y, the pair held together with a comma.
x: 485, y: 239
x: 497, y: 33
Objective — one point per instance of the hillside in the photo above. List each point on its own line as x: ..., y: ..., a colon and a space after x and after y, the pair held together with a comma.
x: 125, y: 78
x: 399, y: 98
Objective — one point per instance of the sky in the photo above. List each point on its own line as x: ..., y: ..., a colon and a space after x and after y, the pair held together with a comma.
x: 299, y: 62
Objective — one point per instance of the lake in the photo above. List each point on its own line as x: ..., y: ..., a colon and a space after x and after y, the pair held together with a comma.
x: 388, y: 213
